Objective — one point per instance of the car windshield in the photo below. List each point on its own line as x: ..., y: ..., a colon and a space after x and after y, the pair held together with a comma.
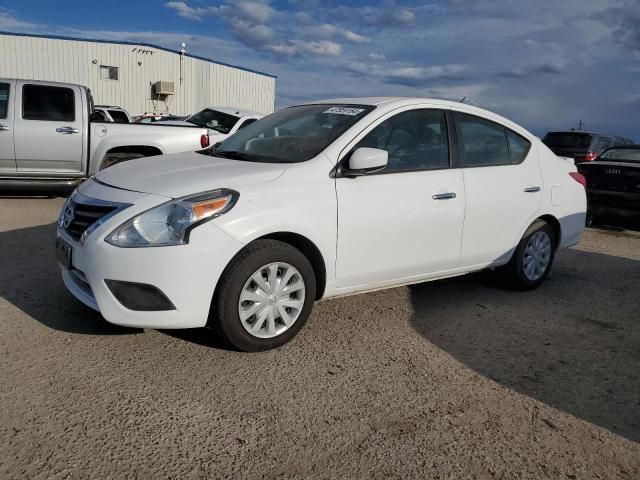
x: 295, y: 134
x: 213, y: 119
x: 567, y: 140
x: 622, y: 155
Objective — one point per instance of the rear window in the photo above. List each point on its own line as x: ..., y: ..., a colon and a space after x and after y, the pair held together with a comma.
x: 622, y: 155
x: 567, y: 140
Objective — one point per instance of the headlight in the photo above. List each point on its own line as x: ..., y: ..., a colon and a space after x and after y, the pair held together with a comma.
x: 171, y: 222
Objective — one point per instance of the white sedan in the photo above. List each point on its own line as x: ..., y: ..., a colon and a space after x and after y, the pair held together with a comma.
x: 312, y: 202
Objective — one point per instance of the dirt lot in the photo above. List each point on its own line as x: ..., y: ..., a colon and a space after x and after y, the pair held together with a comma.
x: 452, y: 379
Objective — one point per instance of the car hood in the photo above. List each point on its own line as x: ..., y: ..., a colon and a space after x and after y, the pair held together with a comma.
x: 182, y: 174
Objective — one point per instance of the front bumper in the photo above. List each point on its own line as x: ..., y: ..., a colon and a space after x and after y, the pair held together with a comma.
x: 186, y: 274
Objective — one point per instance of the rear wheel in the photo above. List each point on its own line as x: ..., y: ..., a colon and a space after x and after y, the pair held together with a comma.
x: 533, y: 257
x: 265, y: 296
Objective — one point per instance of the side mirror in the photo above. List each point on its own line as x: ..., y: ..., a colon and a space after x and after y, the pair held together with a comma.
x: 366, y: 160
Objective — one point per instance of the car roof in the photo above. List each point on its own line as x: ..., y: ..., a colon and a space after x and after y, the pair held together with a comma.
x: 634, y: 146
x: 238, y: 112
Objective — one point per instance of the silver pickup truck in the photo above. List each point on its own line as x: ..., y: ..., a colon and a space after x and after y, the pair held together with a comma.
x: 48, y: 138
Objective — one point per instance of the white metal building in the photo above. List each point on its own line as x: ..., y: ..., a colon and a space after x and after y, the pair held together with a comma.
x: 136, y: 76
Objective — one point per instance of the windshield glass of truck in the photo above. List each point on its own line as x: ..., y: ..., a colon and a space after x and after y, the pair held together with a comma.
x: 622, y: 155
x: 567, y: 140
x: 295, y: 134
x: 213, y: 119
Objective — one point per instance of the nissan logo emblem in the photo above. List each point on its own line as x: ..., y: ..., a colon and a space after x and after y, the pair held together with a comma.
x: 67, y: 218
x: 613, y: 171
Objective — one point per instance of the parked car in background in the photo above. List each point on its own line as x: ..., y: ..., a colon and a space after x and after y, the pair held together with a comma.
x: 613, y: 184
x: 155, y: 117
x: 316, y: 201
x: 582, y: 146
x: 221, y: 121
x: 113, y: 114
x: 48, y: 140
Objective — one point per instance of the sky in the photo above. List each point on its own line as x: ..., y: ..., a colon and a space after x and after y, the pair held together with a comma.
x: 544, y: 64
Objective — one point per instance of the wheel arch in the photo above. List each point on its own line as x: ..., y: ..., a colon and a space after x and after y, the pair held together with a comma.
x: 309, y: 250
x: 554, y: 223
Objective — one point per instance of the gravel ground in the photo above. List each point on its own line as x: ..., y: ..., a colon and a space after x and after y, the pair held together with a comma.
x: 452, y: 379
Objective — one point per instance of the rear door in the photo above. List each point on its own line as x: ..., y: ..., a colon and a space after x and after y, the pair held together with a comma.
x: 49, y: 132
x: 503, y: 187
x: 7, y: 152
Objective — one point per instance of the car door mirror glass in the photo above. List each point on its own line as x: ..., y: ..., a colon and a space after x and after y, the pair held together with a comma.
x: 366, y: 160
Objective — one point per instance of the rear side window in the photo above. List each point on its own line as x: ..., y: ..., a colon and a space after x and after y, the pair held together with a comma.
x: 484, y: 142
x: 119, y: 116
x: 4, y: 99
x: 415, y: 140
x: 518, y: 147
x: 43, y: 102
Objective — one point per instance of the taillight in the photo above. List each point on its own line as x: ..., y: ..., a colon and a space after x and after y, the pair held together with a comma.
x: 578, y: 177
x: 590, y: 157
x: 204, y: 141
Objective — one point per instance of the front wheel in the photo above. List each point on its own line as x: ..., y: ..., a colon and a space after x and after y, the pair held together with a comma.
x: 533, y: 257
x: 265, y: 296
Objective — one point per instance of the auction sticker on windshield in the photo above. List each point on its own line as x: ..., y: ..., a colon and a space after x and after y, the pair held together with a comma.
x: 345, y: 110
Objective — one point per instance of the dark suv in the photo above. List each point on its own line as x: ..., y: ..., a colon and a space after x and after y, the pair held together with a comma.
x: 582, y: 146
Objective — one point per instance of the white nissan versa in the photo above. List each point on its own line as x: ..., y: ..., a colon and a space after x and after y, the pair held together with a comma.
x: 316, y: 201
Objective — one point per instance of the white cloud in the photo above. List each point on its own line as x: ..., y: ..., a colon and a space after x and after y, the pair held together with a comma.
x: 185, y: 11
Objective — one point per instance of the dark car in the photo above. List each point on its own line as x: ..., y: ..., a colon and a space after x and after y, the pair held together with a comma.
x: 582, y: 146
x: 613, y: 183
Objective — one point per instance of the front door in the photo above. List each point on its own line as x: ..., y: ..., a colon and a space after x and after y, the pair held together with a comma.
x: 406, y: 221
x: 49, y: 132
x: 7, y: 153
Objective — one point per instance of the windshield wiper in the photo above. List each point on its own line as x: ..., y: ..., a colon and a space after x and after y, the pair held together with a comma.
x: 235, y: 155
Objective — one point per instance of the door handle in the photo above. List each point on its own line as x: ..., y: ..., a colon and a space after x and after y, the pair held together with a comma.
x: 532, y: 189
x: 67, y: 130
x: 4, y: 127
x: 444, y: 196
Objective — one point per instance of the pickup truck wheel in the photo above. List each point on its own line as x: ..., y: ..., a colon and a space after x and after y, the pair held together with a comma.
x: 113, y: 158
x: 265, y: 296
x: 533, y: 257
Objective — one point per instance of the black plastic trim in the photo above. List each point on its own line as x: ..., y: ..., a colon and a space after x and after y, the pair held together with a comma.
x: 140, y: 297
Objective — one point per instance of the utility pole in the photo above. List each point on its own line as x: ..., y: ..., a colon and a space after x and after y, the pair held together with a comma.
x: 580, y: 125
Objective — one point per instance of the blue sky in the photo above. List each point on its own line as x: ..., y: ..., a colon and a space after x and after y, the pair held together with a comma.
x: 544, y: 64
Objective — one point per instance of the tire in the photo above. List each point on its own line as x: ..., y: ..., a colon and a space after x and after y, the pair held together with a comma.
x: 516, y: 273
x: 111, y: 159
x: 229, y: 316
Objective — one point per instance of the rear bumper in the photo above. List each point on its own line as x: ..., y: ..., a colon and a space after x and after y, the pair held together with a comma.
x: 622, y: 204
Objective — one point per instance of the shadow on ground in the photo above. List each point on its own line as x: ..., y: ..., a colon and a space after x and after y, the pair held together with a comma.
x: 30, y: 279
x: 572, y: 344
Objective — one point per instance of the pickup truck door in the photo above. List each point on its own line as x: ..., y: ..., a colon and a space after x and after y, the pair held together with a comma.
x: 7, y: 152
x: 50, y: 128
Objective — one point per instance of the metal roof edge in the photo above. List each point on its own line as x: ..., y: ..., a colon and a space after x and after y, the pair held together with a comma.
x: 140, y: 44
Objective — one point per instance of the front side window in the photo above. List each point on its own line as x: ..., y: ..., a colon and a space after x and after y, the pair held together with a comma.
x: 484, y: 142
x: 294, y: 134
x: 4, y: 99
x: 44, y: 102
x: 213, y: 119
x: 109, y: 73
x: 415, y: 140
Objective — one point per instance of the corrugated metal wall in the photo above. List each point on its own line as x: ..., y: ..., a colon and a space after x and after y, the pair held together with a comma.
x: 204, y: 83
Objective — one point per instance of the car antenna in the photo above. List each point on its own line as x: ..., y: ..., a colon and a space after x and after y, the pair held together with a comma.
x: 463, y: 99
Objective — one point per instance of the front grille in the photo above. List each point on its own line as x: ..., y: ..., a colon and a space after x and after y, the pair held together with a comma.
x: 81, y: 213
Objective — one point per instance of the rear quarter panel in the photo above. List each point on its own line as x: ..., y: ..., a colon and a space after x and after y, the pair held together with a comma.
x: 167, y: 139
